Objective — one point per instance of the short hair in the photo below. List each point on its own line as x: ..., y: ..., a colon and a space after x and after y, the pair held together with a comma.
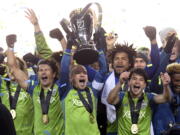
x: 57, y: 56
x: 140, y: 72
x: 118, y: 48
x: 76, y: 69
x: 143, y: 56
x: 50, y: 63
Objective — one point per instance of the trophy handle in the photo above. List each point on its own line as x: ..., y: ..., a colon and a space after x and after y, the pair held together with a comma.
x: 84, y: 11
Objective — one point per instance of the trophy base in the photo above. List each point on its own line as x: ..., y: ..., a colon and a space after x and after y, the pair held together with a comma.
x: 86, y: 55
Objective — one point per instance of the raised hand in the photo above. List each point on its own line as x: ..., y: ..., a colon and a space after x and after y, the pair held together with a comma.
x: 124, y: 77
x: 111, y: 39
x: 150, y: 32
x: 99, y: 39
x: 56, y: 33
x: 71, y: 40
x: 30, y: 14
x: 10, y: 40
x: 30, y: 58
x: 170, y: 43
x: 165, y: 79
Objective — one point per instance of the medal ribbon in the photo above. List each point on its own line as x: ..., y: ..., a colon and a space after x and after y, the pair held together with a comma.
x: 88, y: 105
x: 135, y: 110
x: 13, y: 99
x: 45, y: 101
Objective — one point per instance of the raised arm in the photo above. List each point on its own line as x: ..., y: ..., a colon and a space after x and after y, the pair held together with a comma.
x: 66, y: 61
x: 42, y: 47
x: 20, y: 76
x: 113, y: 97
x: 110, y: 40
x: 150, y: 32
x: 30, y: 14
x: 98, y: 79
x: 164, y: 61
x: 65, y: 65
x: 166, y: 96
x: 57, y: 34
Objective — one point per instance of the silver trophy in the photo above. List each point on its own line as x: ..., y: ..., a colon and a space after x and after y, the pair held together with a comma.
x: 83, y: 23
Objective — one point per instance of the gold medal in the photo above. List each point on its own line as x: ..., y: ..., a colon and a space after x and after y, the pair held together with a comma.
x: 91, y: 118
x: 134, y: 129
x: 45, y: 118
x: 13, y: 113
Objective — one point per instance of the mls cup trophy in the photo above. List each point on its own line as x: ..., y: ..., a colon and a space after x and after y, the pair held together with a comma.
x: 83, y: 22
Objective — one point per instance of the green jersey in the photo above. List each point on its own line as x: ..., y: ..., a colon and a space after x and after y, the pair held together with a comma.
x: 124, y: 117
x: 24, y: 109
x: 112, y: 127
x: 77, y: 118
x: 55, y: 114
x: 42, y: 48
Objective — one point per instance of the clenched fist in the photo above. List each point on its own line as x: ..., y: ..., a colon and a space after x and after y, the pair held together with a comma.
x: 56, y: 33
x: 150, y: 32
x: 10, y: 40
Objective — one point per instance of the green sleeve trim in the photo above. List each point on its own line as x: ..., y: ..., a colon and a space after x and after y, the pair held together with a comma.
x: 149, y: 65
x: 42, y: 47
x: 149, y: 81
x: 67, y: 53
x: 101, y: 52
x: 159, y: 81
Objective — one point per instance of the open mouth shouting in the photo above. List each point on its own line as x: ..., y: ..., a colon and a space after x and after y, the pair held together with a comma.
x: 119, y: 69
x: 82, y: 83
x: 44, y: 80
x: 136, y: 87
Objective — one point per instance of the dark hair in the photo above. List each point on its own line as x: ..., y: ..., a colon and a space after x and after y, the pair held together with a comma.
x: 118, y: 48
x: 2, y: 58
x: 50, y: 63
x: 30, y: 58
x: 143, y: 56
x: 57, y: 56
x: 140, y: 72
